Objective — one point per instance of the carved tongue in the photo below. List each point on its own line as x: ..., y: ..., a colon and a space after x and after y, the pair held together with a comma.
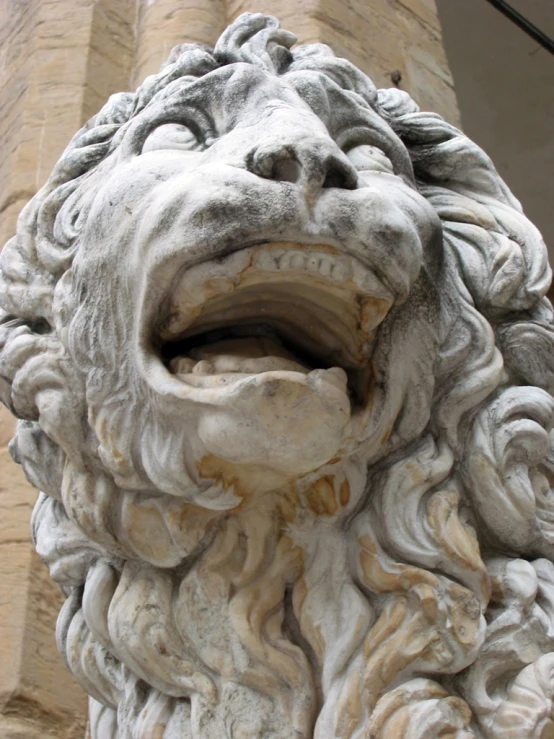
x: 249, y: 355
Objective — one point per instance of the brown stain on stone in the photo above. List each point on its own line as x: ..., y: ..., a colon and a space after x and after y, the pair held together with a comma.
x: 349, y: 712
x: 374, y: 308
x: 386, y: 435
x: 394, y: 715
x: 249, y: 483
x: 389, y: 621
x: 299, y: 594
x: 211, y: 467
x: 406, y: 629
x: 147, y: 533
x: 245, y: 479
x: 457, y: 539
x: 464, y: 614
x: 321, y: 497
x: 344, y: 493
x: 392, y: 646
x: 314, y: 635
x: 289, y: 503
x: 189, y: 515
x: 398, y: 727
x: 156, y: 732
x: 391, y: 577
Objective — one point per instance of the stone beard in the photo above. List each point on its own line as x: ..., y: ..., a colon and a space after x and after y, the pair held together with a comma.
x: 281, y: 353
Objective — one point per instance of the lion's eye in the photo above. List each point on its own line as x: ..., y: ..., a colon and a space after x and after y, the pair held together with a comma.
x: 172, y: 136
x: 369, y: 159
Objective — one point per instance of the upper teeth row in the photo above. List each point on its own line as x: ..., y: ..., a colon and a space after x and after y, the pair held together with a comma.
x: 209, y: 279
x: 329, y: 265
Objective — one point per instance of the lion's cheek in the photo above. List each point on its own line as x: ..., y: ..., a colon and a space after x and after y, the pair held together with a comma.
x: 285, y: 421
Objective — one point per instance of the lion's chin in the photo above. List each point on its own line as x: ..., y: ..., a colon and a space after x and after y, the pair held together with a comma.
x: 283, y: 420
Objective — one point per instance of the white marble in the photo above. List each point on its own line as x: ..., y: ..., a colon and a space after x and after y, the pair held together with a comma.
x: 282, y: 356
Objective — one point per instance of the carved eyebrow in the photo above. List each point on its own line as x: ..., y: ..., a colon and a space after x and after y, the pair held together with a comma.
x: 197, y: 118
x: 185, y: 99
x: 191, y: 86
x: 214, y: 108
x: 309, y: 86
x: 338, y: 107
x: 353, y: 121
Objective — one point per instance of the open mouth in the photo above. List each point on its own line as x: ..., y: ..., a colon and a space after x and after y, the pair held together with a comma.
x: 277, y: 307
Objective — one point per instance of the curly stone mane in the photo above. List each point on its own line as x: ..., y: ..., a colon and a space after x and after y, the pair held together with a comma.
x: 422, y: 606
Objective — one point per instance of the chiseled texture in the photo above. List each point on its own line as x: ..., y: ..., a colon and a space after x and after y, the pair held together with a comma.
x: 281, y: 353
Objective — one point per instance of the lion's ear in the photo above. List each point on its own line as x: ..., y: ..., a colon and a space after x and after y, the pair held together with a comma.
x: 500, y: 254
x: 527, y: 346
x: 505, y: 268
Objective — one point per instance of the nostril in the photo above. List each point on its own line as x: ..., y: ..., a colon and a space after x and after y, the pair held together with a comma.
x: 335, y: 179
x: 311, y: 164
x: 285, y: 170
x: 340, y: 175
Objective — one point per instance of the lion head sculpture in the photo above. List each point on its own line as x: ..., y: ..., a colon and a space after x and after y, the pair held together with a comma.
x: 281, y: 353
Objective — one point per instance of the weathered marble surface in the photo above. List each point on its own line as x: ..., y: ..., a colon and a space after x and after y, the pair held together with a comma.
x: 283, y: 360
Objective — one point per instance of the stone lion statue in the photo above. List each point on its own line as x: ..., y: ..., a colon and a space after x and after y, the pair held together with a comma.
x: 283, y: 362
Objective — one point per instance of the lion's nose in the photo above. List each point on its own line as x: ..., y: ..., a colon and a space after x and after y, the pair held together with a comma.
x: 313, y: 164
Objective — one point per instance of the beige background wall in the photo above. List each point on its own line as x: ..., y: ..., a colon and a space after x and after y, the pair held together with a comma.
x: 505, y: 89
x: 59, y: 61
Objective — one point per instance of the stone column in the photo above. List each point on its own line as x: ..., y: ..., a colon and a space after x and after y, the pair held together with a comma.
x: 163, y: 24
x: 37, y: 695
x: 59, y: 61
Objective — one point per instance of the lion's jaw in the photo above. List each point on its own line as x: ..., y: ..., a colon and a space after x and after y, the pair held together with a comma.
x: 275, y: 340
x: 308, y: 257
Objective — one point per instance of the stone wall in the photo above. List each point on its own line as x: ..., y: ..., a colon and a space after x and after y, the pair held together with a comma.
x: 60, y: 60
